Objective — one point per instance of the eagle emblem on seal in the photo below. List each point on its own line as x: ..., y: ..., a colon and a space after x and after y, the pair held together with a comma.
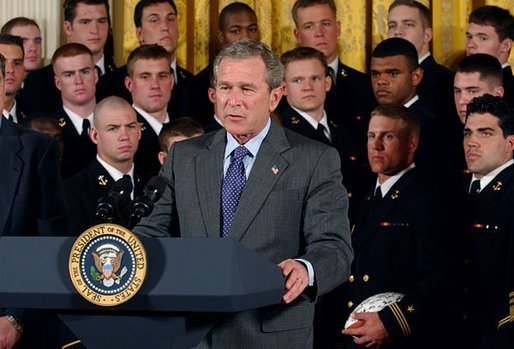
x: 108, y: 259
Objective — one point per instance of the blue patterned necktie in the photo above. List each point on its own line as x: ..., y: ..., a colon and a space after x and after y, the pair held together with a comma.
x: 232, y: 187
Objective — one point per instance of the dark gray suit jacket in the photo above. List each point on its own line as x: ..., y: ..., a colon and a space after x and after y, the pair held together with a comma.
x: 299, y: 211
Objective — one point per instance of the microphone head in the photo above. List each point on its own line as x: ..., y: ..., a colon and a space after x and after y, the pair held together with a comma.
x: 154, y: 188
x: 119, y: 194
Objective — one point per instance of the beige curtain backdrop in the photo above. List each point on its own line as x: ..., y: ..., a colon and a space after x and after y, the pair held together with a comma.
x: 363, y: 25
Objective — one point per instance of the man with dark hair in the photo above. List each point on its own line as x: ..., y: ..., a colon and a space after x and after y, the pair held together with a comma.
x: 395, y: 76
x: 177, y: 130
x: 491, y: 30
x: 476, y: 75
x: 350, y: 99
x: 11, y: 47
x: 32, y: 203
x: 411, y: 20
x: 256, y: 175
x: 75, y: 77
x: 237, y: 21
x: 398, y: 240
x: 156, y: 23
x: 29, y: 31
x: 86, y: 22
x: 488, y: 144
x: 150, y: 82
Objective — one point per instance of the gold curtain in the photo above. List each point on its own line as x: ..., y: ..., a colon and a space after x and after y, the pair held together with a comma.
x: 363, y: 25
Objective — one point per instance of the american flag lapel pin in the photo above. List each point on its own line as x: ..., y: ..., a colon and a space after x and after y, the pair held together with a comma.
x: 275, y: 169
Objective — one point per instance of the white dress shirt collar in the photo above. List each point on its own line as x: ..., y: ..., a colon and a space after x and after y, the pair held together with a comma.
x: 154, y: 123
x: 77, y: 120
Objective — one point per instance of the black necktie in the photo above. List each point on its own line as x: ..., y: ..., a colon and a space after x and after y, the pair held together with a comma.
x: 86, y: 125
x: 320, y: 134
x: 475, y: 188
x: 98, y: 70
x: 378, y: 193
x: 127, y: 178
x: 332, y: 74
x: 10, y: 118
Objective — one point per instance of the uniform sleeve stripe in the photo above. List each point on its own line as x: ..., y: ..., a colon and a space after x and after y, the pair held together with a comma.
x: 504, y: 321
x: 404, y: 325
x: 71, y: 344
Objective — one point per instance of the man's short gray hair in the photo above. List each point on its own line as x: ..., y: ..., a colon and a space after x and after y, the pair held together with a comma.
x: 244, y: 49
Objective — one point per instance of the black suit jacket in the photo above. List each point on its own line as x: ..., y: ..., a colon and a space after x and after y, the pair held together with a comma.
x: 342, y: 140
x: 32, y: 200
x: 40, y: 94
x: 78, y: 152
x: 82, y: 192
x: 114, y: 85
x: 490, y: 278
x: 439, y: 146
x: 400, y: 246
x: 508, y: 85
x: 199, y: 106
x: 351, y: 100
x: 146, y: 157
x: 436, y: 89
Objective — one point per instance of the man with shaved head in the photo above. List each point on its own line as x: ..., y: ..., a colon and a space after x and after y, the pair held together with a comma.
x: 116, y: 134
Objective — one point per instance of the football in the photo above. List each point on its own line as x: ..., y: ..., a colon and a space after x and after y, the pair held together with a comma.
x: 373, y: 304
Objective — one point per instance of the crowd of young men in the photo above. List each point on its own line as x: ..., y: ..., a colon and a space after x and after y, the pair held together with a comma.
x: 415, y: 158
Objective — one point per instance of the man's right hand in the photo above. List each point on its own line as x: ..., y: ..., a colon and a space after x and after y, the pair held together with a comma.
x: 8, y: 334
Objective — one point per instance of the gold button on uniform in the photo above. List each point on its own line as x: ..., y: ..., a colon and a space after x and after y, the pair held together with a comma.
x: 350, y: 304
x: 365, y: 278
x: 351, y: 278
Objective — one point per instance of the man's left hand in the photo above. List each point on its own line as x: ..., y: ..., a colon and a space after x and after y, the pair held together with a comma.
x: 297, y: 279
x: 371, y: 333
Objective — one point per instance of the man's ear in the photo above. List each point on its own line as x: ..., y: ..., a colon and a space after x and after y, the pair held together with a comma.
x: 162, y: 157
x: 139, y: 35
x: 428, y: 35
x: 417, y: 76
x: 67, y: 27
x: 128, y: 83
x: 93, y: 134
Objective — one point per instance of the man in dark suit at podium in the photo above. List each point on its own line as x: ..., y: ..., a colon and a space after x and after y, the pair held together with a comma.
x: 276, y: 192
x: 32, y: 203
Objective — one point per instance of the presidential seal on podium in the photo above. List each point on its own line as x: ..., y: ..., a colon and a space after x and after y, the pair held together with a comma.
x: 107, y: 264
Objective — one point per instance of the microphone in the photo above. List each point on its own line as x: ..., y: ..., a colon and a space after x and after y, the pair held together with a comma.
x: 143, y: 205
x: 108, y: 206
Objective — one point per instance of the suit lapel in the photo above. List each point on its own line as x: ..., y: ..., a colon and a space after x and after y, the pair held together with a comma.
x: 209, y: 174
x: 11, y: 169
x: 267, y: 169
